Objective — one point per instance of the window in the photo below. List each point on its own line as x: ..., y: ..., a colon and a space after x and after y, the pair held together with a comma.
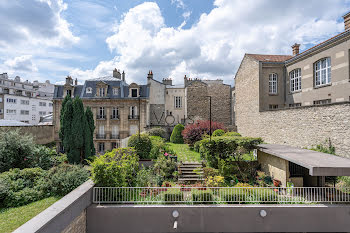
x: 101, y: 130
x: 273, y: 106
x: 50, y: 104
x: 102, y: 91
x: 42, y: 113
x: 177, y: 101
x: 0, y: 99
x: 115, y: 113
x: 273, y: 83
x: 295, y: 105
x: 322, y: 70
x: 115, y: 132
x: 89, y: 90
x: 24, y: 112
x: 1, y: 111
x: 43, y: 104
x: 101, y: 113
x: 133, y: 111
x: 9, y: 100
x: 325, y: 101
x: 295, y: 80
x: 114, y: 145
x: 133, y: 92
x: 69, y: 92
x: 25, y: 102
x: 115, y: 91
x: 11, y: 111
x: 101, y: 147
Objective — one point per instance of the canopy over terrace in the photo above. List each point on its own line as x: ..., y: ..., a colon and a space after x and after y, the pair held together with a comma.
x: 319, y: 164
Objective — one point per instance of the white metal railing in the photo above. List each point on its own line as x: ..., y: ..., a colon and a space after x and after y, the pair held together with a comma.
x: 220, y: 195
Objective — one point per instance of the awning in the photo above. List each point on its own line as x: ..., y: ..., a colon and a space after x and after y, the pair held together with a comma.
x: 319, y: 164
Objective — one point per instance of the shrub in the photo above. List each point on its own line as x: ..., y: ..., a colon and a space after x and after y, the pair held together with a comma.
x: 325, y: 147
x: 142, y: 144
x: 44, y: 157
x: 194, y: 132
x: 117, y: 168
x: 226, y: 148
x: 176, y: 135
x: 165, y: 168
x: 160, y: 132
x: 209, y: 171
x: 172, y: 196
x: 202, y: 196
x: 232, y: 134
x: 65, y: 178
x: 218, y: 132
x: 234, y: 195
x: 158, y: 146
x: 145, y: 178
x: 214, y: 181
x: 264, y: 195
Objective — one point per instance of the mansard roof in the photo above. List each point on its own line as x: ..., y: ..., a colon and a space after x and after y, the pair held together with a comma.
x: 80, y: 90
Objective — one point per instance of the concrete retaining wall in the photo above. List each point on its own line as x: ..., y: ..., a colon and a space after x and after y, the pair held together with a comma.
x: 66, y: 215
x: 246, y: 218
x: 42, y: 134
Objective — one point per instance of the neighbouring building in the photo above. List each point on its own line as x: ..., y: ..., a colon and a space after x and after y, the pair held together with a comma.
x: 300, y: 99
x: 24, y: 101
x: 119, y: 108
x: 172, y: 104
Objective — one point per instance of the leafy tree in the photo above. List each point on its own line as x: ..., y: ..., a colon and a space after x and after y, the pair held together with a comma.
x: 176, y: 136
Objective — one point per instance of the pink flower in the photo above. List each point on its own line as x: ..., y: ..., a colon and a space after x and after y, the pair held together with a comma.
x: 166, y: 154
x: 25, y: 159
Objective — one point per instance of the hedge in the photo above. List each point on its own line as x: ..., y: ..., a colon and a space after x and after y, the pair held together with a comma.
x: 202, y: 196
x: 176, y: 136
x: 218, y: 132
x: 142, y: 144
x: 173, y: 196
x: 160, y: 132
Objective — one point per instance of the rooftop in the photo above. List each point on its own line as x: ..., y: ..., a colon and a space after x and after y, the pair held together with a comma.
x: 270, y: 58
x: 319, y: 164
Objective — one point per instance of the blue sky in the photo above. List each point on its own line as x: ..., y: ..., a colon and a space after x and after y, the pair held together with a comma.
x: 50, y: 39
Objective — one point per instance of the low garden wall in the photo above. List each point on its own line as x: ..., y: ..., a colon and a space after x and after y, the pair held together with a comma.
x: 66, y: 215
x: 43, y: 134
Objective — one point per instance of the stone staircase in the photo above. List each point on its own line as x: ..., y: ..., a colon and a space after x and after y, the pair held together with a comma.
x: 187, y: 173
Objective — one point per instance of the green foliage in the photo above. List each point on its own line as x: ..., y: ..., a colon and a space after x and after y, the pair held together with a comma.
x: 165, y: 168
x: 64, y: 102
x: 232, y: 134
x: 176, y: 136
x: 209, y: 171
x: 218, y: 132
x: 199, y: 130
x: 66, y: 128
x: 160, y: 132
x: 76, y: 154
x: 89, y: 133
x: 65, y: 178
x: 16, y: 150
x: 142, y: 144
x: 325, y: 147
x: 202, y: 196
x: 226, y: 148
x: 158, y: 147
x: 117, y: 168
x: 145, y: 178
x: 172, y: 196
x: 44, y: 157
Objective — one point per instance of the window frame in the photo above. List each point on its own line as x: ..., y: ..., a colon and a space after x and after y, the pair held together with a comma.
x: 137, y: 93
x: 318, y: 72
x: 273, y: 84
x: 294, y: 80
x: 115, y: 91
x: 177, y: 102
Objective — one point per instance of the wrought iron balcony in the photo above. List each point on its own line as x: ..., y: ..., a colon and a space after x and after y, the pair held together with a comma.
x: 101, y: 117
x: 100, y: 136
x: 133, y: 117
x: 115, y: 136
x: 115, y: 117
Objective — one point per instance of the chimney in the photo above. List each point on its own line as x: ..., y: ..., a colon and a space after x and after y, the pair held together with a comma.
x: 167, y: 81
x: 123, y: 76
x: 346, y: 18
x: 76, y: 81
x: 295, y: 48
x: 116, y: 73
x: 69, y: 80
x: 150, y: 74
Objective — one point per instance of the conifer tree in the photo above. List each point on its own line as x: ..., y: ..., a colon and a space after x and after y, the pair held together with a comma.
x: 66, y: 127
x: 78, y: 131
x: 89, y: 133
x: 65, y: 100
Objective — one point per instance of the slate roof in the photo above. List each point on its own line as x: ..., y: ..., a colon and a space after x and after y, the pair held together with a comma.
x: 270, y: 58
x: 80, y: 90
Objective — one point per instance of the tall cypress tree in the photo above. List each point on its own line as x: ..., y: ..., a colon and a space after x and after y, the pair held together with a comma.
x: 89, y: 133
x: 65, y: 100
x: 78, y: 130
x: 66, y: 127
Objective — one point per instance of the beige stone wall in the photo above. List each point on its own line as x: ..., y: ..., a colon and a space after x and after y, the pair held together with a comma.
x: 43, y: 134
x: 178, y: 113
x: 78, y: 225
x: 275, y: 167
x: 301, y: 127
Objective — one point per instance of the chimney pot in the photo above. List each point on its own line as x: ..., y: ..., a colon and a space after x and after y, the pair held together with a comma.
x: 346, y: 18
x: 295, y: 48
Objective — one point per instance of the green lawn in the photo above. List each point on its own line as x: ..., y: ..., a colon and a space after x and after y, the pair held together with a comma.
x: 184, y: 153
x: 12, y: 218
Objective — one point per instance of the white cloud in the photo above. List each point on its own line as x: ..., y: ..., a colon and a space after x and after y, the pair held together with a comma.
x: 215, y: 45
x: 179, y: 3
x: 21, y: 63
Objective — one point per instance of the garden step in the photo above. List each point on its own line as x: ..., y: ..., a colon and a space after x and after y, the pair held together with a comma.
x: 191, y: 172
x: 190, y: 179
x: 190, y: 168
x: 193, y: 167
x: 190, y: 176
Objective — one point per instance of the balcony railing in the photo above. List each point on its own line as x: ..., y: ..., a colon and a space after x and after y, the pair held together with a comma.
x: 115, y: 117
x: 220, y: 195
x: 133, y: 117
x: 101, y: 117
x: 115, y: 136
x: 100, y: 136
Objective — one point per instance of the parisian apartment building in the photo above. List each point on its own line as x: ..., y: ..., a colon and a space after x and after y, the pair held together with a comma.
x: 27, y: 102
x: 121, y: 109
x: 299, y: 99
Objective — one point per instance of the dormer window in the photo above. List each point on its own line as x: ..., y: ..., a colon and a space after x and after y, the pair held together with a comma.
x: 89, y: 90
x: 69, y: 92
x: 102, y: 92
x: 115, y: 91
x: 134, y: 92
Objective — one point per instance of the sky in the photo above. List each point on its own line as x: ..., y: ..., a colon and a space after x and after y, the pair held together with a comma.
x: 207, y: 39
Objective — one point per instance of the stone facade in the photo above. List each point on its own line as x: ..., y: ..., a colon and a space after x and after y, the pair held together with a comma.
x: 275, y: 167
